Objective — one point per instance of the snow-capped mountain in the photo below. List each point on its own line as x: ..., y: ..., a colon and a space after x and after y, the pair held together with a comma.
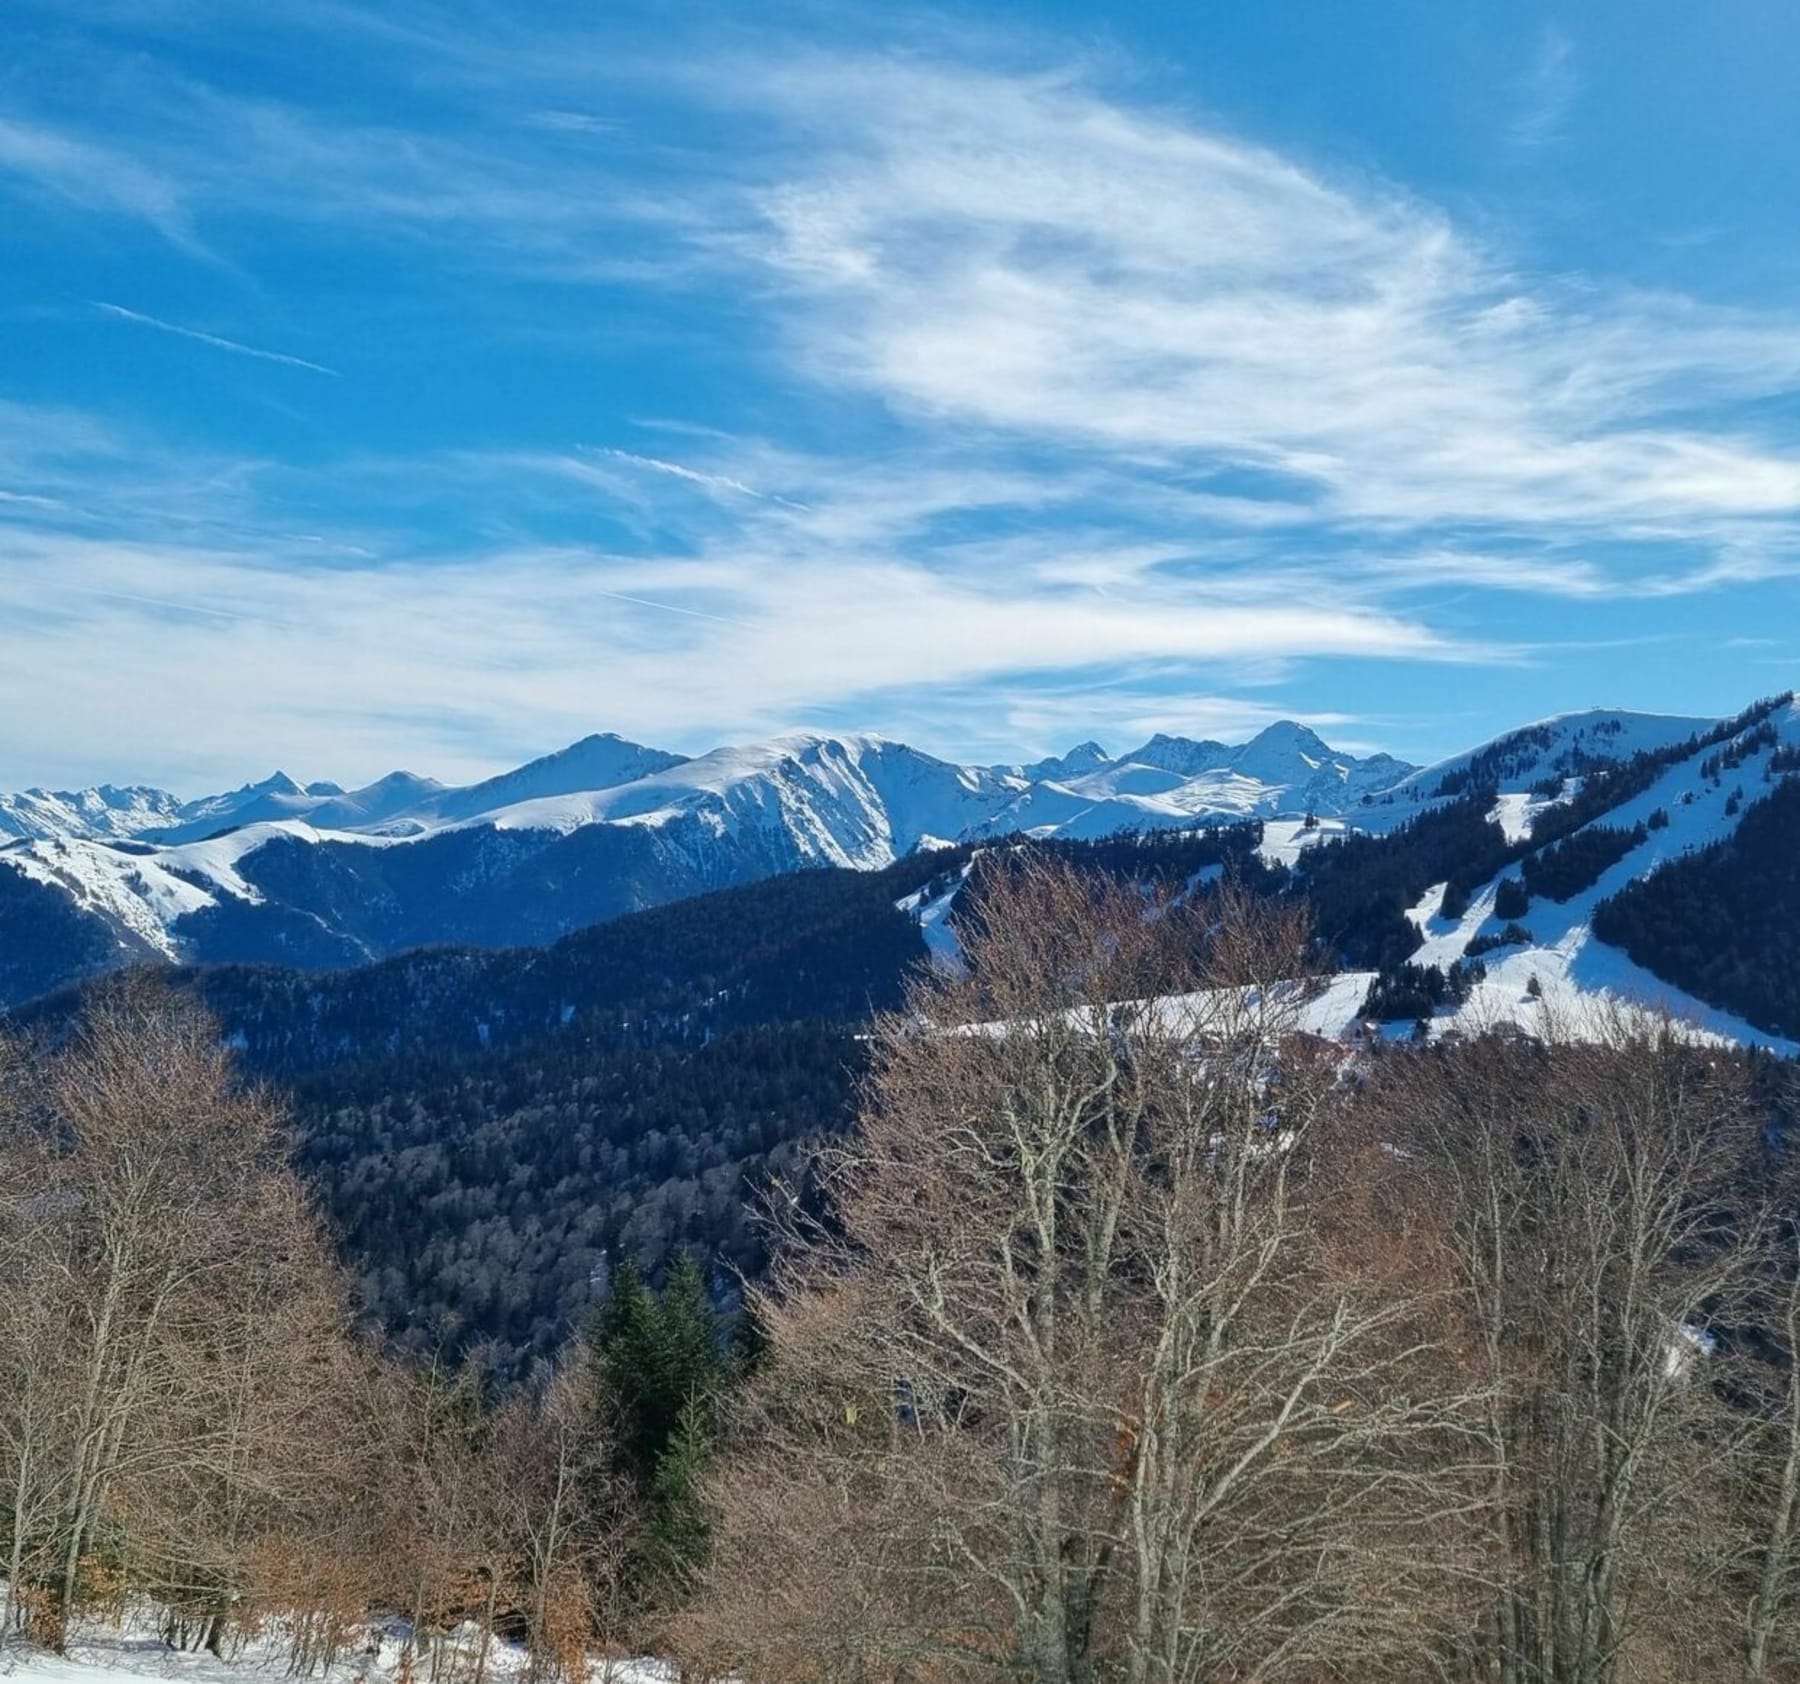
x: 1564, y: 746
x: 856, y: 801
x: 314, y: 876
x: 1173, y: 781
x: 1083, y: 757
x: 108, y: 813
x: 603, y: 761
x: 278, y: 799
x: 1677, y: 892
x: 105, y: 811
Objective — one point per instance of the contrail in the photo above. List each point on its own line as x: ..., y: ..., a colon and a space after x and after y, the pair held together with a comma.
x: 673, y: 608
x: 724, y: 482
x: 212, y: 339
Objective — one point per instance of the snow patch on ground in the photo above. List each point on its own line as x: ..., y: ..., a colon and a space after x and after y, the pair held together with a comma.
x: 1581, y: 979
x: 136, y: 895
x: 1284, y: 840
x: 108, y: 1654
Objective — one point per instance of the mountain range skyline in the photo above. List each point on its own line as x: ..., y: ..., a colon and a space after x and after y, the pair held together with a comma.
x: 607, y: 760
x: 404, y: 784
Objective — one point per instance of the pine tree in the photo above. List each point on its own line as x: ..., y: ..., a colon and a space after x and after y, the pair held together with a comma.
x: 675, y: 1538
x: 661, y: 1365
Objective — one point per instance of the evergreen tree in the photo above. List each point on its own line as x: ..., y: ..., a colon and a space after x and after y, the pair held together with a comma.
x: 675, y: 1537
x: 662, y: 1364
x: 1511, y: 899
x: 659, y: 1357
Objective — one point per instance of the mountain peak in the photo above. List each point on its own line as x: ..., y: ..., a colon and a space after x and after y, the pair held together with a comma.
x: 1290, y: 733
x: 1083, y: 757
x: 1185, y: 756
x: 397, y: 782
x: 599, y: 761
x: 596, y: 740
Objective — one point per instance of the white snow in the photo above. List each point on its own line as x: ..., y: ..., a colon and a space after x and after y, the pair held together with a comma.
x: 848, y: 801
x: 142, y: 893
x: 934, y: 921
x: 105, y: 1653
x: 863, y: 801
x: 853, y: 799
x: 1532, y: 753
x: 1584, y: 987
x: 1284, y: 840
x: 86, y: 813
x: 601, y: 762
x: 1582, y: 979
x: 137, y: 895
x: 1514, y: 811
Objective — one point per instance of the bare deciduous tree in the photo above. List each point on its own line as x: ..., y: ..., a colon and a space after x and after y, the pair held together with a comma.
x: 1604, y: 1227
x: 1770, y: 1480
x: 1092, y: 1369
x: 172, y: 1374
x: 558, y: 1516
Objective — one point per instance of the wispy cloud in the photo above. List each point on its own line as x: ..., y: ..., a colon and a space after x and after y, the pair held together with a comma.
x: 1059, y: 409
x: 1571, y: 577
x: 217, y: 341
x: 95, y: 176
x: 1027, y: 255
x: 414, y: 659
x: 1547, y: 92
x: 574, y: 122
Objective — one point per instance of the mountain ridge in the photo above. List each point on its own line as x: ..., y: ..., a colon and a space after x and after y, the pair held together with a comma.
x: 608, y: 826
x: 600, y: 761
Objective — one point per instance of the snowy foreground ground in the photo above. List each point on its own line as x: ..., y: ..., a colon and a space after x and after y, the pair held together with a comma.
x: 112, y: 1654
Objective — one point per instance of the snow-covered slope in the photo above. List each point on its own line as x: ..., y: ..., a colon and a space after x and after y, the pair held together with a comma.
x: 853, y: 801
x: 1661, y: 789
x: 1295, y: 769
x: 1564, y: 746
x: 138, y: 898
x: 279, y: 799
x: 599, y: 762
x: 1083, y: 757
x: 105, y: 811
x: 850, y: 799
x: 1694, y: 802
x: 274, y: 798
x: 144, y: 892
x: 1174, y: 781
x: 310, y: 874
x: 603, y: 826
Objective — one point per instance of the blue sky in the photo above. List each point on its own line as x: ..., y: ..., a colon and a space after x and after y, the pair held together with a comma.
x: 429, y: 385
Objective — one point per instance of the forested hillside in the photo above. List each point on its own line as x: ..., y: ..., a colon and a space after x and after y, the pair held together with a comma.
x: 483, y: 1202
x: 1722, y: 922
x: 493, y: 1131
